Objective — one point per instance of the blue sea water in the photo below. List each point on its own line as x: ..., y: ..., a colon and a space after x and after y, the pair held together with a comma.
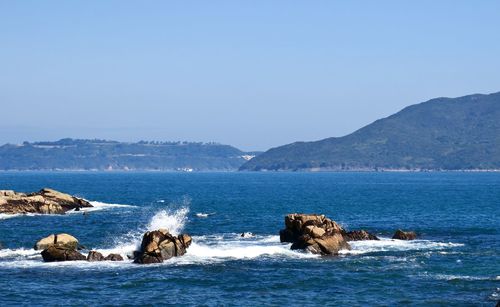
x: 455, y: 261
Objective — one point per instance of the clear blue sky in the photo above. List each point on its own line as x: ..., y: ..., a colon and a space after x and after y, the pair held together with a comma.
x: 254, y: 74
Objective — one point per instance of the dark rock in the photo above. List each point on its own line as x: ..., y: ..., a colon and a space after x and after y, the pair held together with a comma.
x: 314, y: 233
x: 160, y: 245
x: 45, y: 201
x: 359, y: 235
x: 95, y: 256
x: 57, y: 253
x: 114, y: 257
x: 404, y: 235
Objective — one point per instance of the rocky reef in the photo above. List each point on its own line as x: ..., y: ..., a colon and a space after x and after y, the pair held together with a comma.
x: 45, y: 201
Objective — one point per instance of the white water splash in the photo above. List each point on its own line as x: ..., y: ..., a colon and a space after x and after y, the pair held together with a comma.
x: 15, y: 253
x: 4, y: 216
x: 173, y: 221
x: 457, y: 277
x: 233, y: 246
x: 388, y: 245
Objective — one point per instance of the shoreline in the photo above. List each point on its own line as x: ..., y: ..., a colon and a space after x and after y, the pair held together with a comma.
x: 253, y: 171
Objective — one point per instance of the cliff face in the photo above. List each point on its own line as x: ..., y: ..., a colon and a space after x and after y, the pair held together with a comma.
x: 444, y: 133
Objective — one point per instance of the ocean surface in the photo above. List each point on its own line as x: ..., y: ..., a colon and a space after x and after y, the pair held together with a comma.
x: 456, y: 260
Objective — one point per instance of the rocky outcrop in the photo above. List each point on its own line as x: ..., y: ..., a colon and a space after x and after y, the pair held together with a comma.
x: 45, y: 201
x: 359, y: 235
x: 61, y: 240
x: 160, y: 245
x: 63, y: 247
x: 314, y: 233
x: 95, y: 256
x: 58, y: 253
x: 404, y: 235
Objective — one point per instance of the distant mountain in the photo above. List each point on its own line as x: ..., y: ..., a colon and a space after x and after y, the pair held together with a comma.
x: 71, y: 154
x: 440, y: 134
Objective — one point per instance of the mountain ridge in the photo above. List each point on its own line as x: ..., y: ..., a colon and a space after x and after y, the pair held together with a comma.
x: 439, y: 134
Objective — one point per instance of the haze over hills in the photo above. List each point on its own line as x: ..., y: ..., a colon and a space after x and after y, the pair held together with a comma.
x: 71, y: 154
x: 440, y: 134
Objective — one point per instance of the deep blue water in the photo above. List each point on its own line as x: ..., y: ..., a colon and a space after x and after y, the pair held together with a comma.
x: 455, y: 262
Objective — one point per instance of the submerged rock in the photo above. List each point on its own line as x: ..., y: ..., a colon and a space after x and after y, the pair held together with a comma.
x: 58, y: 253
x: 314, y: 233
x: 114, y: 257
x: 45, y: 201
x: 62, y: 240
x: 359, y: 235
x: 404, y: 235
x: 160, y: 245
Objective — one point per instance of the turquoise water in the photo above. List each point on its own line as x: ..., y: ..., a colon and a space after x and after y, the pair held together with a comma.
x: 455, y: 262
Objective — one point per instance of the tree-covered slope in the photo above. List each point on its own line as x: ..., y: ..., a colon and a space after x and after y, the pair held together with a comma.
x: 444, y: 133
x: 69, y: 154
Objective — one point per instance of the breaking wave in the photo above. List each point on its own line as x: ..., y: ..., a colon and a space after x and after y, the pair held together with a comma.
x: 391, y: 245
x: 212, y: 248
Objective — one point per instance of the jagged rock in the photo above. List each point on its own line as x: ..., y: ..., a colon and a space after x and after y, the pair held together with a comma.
x: 62, y: 240
x: 314, y: 233
x: 58, y: 253
x: 160, y: 245
x: 359, y: 235
x: 45, y: 201
x: 95, y: 256
x: 404, y: 235
x: 114, y: 257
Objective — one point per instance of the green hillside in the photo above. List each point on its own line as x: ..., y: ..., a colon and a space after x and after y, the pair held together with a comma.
x: 70, y: 154
x: 440, y: 134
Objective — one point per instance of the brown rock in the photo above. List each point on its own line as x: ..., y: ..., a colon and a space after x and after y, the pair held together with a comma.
x: 95, y: 256
x: 315, y: 233
x: 160, y: 245
x: 45, y: 201
x: 404, y: 235
x: 62, y: 240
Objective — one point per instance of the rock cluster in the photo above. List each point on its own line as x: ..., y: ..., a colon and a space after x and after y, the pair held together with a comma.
x: 45, y: 201
x: 404, y: 235
x: 97, y: 256
x: 314, y: 233
x: 64, y: 247
x: 160, y: 245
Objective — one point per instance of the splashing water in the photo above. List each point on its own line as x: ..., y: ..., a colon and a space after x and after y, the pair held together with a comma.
x: 170, y: 219
x: 173, y: 221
